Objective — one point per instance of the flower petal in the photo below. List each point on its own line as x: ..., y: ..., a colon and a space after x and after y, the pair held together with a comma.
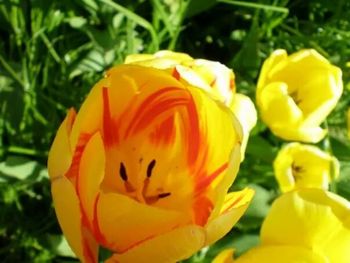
x: 68, y: 212
x: 225, y: 256
x: 277, y: 107
x: 278, y: 254
x: 311, y: 218
x: 300, y: 133
x: 91, y: 172
x: 275, y: 58
x: 171, y: 247
x: 125, y: 222
x: 245, y: 111
x: 60, y: 155
x: 234, y: 207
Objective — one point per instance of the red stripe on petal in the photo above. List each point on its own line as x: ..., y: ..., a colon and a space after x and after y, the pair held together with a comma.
x: 205, y: 181
x: 238, y: 199
x: 175, y: 74
x: 194, y: 140
x: 165, y: 133
x: 110, y: 132
x: 96, y: 227
x: 202, y: 208
x: 79, y: 148
x: 153, y: 106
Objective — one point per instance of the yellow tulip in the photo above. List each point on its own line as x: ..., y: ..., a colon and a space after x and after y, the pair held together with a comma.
x: 299, y: 165
x: 144, y: 167
x: 314, y: 219
x: 296, y: 93
x: 210, y: 76
x: 306, y: 225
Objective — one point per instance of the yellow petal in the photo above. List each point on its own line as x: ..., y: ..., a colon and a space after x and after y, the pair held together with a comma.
x: 125, y: 222
x: 170, y: 247
x: 60, y: 155
x: 312, y: 218
x: 317, y: 104
x: 277, y: 107
x: 67, y: 209
x: 298, y: 165
x: 91, y: 172
x: 245, y: 111
x: 279, y: 254
x: 225, y: 256
x: 300, y: 133
x: 274, y: 59
x: 234, y: 207
x: 163, y: 59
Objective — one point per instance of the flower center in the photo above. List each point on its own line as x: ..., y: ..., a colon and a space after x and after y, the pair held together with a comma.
x: 296, y: 171
x: 296, y: 97
x: 148, y: 199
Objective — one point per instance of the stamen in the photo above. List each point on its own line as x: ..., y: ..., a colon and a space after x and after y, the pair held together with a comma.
x: 122, y: 172
x: 150, y: 168
x: 163, y: 195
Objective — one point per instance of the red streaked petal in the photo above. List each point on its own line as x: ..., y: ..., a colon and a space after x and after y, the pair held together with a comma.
x: 91, y: 173
x: 69, y: 216
x: 234, y: 207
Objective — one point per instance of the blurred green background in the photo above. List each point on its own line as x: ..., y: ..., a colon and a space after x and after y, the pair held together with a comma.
x: 52, y: 52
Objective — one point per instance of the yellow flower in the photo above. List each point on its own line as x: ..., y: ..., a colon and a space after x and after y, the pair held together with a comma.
x: 210, y: 76
x: 296, y: 93
x: 144, y: 167
x: 299, y: 165
x: 306, y: 225
x: 313, y: 219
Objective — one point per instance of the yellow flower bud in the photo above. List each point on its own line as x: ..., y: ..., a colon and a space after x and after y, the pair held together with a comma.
x: 296, y: 93
x: 304, y: 166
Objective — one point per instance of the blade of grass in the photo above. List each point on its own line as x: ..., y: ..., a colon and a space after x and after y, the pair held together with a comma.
x: 9, y: 69
x: 138, y: 20
x: 256, y: 6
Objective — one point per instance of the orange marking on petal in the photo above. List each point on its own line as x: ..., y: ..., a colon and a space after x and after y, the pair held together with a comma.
x: 202, y: 208
x: 205, y: 181
x: 213, y: 82
x: 232, y: 84
x: 194, y: 140
x: 96, y: 227
x: 79, y: 148
x: 110, y: 133
x: 239, y: 198
x: 88, y: 254
x: 165, y: 132
x: 175, y: 74
x: 155, y: 105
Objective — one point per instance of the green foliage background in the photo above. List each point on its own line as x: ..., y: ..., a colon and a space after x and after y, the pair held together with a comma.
x: 52, y: 52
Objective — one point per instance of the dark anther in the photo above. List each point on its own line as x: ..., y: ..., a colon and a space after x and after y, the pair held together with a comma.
x: 122, y: 172
x: 163, y: 195
x: 150, y: 168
